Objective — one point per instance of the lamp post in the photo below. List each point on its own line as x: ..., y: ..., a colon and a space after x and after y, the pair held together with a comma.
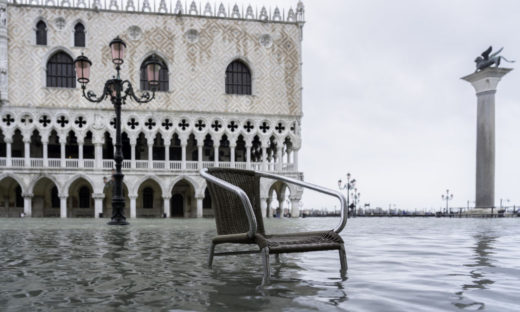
x: 118, y: 91
x: 447, y: 198
x: 348, y: 186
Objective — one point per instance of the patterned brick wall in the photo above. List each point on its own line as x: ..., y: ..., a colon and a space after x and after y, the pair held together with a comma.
x: 197, y: 51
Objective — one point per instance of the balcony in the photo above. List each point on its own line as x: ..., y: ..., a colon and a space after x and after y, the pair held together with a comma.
x: 137, y: 165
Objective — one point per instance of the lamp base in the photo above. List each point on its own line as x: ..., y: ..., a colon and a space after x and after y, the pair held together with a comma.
x: 118, y: 222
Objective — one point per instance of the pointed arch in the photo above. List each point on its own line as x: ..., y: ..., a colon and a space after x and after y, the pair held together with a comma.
x: 189, y: 179
x: 66, y: 187
x: 16, y: 178
x: 139, y: 183
x: 34, y: 182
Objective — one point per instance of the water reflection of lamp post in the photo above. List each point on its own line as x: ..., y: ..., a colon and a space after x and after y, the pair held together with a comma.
x: 447, y: 198
x: 348, y: 186
x: 117, y: 90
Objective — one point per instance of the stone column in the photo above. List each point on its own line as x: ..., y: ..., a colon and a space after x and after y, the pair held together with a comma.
x: 279, y: 159
x: 269, y: 213
x: 199, y: 206
x: 485, y: 83
x: 98, y: 203
x: 45, y: 143
x: 27, y: 151
x: 27, y: 204
x: 280, y: 206
x: 295, y: 160
x: 215, y: 154
x: 264, y: 158
x: 232, y: 154
x: 63, y: 206
x: 8, y: 153
x: 166, y: 206
x: 98, y: 155
x: 263, y: 207
x: 80, y: 154
x: 199, y: 155
x: 183, y: 155
x: 295, y: 207
x: 63, y: 141
x: 132, y: 155
x: 167, y: 155
x: 150, y: 156
x: 133, y: 206
x: 248, y: 155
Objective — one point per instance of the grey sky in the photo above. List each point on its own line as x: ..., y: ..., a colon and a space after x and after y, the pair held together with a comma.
x: 383, y: 98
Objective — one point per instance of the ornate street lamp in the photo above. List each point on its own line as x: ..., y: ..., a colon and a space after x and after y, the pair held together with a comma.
x: 118, y: 91
x: 348, y: 186
x: 447, y: 198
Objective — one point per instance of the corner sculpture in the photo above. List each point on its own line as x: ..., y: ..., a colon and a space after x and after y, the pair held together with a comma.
x: 486, y: 60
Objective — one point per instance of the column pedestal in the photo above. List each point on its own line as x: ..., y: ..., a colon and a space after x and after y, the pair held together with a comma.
x: 485, y: 83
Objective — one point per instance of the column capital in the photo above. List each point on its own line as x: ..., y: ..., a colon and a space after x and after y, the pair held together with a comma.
x: 167, y: 197
x: 63, y: 196
x: 132, y: 196
x: 27, y: 195
x: 486, y: 80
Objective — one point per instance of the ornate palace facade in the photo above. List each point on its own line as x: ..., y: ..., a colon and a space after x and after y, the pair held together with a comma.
x: 230, y: 96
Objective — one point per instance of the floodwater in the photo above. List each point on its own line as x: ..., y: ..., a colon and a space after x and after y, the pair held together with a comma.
x: 395, y: 264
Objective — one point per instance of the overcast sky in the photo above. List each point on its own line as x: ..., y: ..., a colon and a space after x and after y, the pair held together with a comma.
x: 383, y: 98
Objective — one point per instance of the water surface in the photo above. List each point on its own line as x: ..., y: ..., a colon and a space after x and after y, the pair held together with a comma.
x: 395, y: 264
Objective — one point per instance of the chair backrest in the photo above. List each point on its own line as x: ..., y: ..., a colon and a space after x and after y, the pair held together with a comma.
x: 230, y: 215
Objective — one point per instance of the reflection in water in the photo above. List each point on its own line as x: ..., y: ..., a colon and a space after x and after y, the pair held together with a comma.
x: 395, y: 264
x: 483, y: 250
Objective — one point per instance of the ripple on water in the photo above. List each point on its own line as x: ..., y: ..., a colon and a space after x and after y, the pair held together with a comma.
x: 394, y: 265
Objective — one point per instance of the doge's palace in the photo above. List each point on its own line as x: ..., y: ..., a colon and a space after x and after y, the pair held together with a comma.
x: 230, y: 96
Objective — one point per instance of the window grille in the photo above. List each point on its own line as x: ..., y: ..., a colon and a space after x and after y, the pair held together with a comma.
x: 238, y: 78
x: 163, y: 77
x: 41, y: 33
x: 60, y: 71
x: 79, y: 35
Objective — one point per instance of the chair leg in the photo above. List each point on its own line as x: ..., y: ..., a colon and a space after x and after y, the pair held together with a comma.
x: 343, y: 261
x: 267, y: 266
x: 211, y: 252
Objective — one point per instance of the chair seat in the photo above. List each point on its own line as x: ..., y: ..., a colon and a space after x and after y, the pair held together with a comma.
x: 300, y: 242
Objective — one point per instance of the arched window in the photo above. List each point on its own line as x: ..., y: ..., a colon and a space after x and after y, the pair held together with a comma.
x: 60, y: 71
x: 41, y: 33
x: 238, y: 78
x: 18, y: 195
x: 148, y: 197
x: 163, y: 76
x: 84, y: 197
x: 79, y: 35
x: 55, y: 200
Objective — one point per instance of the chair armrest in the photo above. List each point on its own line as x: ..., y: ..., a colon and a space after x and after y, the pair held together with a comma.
x: 317, y: 188
x: 241, y: 194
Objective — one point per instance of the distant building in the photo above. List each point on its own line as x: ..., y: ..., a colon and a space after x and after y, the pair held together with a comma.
x: 230, y: 96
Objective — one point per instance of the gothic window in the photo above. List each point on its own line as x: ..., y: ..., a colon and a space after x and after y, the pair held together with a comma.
x: 55, y: 200
x: 148, y: 198
x: 238, y: 78
x: 18, y: 195
x: 60, y: 71
x: 41, y: 33
x: 84, y: 197
x: 79, y: 35
x: 163, y: 77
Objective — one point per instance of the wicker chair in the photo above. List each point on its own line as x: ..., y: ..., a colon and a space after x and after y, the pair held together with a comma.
x: 236, y: 197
